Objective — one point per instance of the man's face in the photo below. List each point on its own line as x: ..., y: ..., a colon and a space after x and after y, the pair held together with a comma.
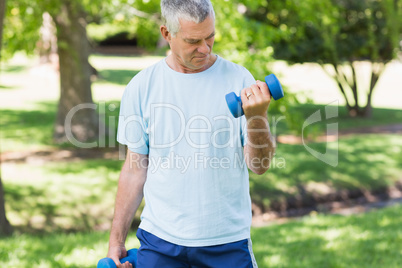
x: 192, y: 45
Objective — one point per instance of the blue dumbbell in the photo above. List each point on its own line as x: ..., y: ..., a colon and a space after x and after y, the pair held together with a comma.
x: 109, y: 263
x: 234, y: 101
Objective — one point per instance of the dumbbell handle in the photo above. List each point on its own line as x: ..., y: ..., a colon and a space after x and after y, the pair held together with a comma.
x: 109, y: 263
x: 235, y: 104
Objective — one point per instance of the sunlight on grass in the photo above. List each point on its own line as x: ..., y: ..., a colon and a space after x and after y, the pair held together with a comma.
x: 56, y: 196
x: 47, y: 199
x: 23, y: 130
x: 366, y: 162
x: 57, y: 250
x: 380, y: 117
x: 332, y: 241
x: 314, y: 241
x: 24, y: 82
x: 123, y: 62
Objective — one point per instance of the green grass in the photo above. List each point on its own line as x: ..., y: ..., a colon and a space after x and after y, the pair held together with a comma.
x: 31, y: 129
x: 56, y: 250
x: 76, y: 195
x: 381, y: 116
x: 280, y: 126
x: 369, y: 240
x: 119, y: 77
x: 54, y: 205
x: 366, y: 162
x: 27, y: 129
x: 14, y: 69
x: 6, y: 87
x: 79, y: 195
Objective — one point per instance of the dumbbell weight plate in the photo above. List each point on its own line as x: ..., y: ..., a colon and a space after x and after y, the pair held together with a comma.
x: 109, y: 263
x: 235, y: 104
x: 274, y: 86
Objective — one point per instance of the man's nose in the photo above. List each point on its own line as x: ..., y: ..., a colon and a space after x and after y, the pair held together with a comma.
x: 204, y: 48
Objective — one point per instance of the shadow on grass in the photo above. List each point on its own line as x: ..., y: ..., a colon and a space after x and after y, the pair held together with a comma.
x: 73, y: 250
x: 28, y: 201
x: 366, y: 163
x: 366, y: 240
x: 120, y: 77
x: 3, y: 87
x: 24, y: 128
x: 13, y: 68
x: 35, y: 127
x: 88, y: 165
x: 380, y: 116
x: 28, y: 127
x: 62, y: 196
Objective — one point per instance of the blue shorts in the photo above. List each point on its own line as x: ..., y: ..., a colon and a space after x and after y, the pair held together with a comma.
x: 157, y: 253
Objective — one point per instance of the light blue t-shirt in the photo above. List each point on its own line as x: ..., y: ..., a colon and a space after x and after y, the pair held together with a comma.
x: 197, y: 187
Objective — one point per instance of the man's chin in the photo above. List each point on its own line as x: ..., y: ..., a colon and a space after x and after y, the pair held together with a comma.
x: 200, y: 61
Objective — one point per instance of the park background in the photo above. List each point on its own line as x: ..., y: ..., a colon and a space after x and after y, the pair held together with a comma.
x: 56, y: 200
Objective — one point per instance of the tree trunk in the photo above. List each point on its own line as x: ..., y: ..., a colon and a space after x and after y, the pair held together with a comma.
x: 47, y: 45
x: 2, y: 14
x: 346, y: 84
x: 376, y: 71
x: 5, y: 227
x: 353, y: 87
x: 77, y: 119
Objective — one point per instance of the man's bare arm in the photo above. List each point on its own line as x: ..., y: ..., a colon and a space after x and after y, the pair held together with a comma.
x: 260, y: 148
x: 128, y: 198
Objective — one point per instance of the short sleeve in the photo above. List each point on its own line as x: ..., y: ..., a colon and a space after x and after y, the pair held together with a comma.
x: 132, y: 128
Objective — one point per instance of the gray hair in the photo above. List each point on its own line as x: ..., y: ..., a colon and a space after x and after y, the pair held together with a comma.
x: 191, y: 10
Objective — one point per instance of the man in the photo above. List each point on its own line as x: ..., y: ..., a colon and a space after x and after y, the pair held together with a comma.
x: 186, y: 153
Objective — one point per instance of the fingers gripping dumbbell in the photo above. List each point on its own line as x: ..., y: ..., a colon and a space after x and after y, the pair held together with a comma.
x: 235, y: 104
x: 109, y: 263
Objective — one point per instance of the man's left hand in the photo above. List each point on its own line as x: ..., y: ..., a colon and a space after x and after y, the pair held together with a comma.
x: 256, y: 100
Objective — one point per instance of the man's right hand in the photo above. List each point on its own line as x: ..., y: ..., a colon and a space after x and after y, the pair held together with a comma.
x: 128, y: 198
x: 116, y: 253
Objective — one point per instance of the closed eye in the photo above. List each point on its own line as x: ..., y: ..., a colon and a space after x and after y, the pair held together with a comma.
x: 195, y: 41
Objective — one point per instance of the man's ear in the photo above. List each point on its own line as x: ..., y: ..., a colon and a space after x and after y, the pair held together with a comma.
x: 165, y: 33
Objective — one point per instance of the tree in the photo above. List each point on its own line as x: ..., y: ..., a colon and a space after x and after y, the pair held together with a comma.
x: 337, y: 34
x: 5, y: 227
x: 23, y: 21
x: 75, y: 72
x: 2, y: 13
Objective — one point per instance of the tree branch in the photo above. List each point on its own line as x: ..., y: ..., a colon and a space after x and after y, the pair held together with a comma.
x: 353, y: 85
x: 375, y: 75
x: 338, y: 77
x: 2, y: 15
